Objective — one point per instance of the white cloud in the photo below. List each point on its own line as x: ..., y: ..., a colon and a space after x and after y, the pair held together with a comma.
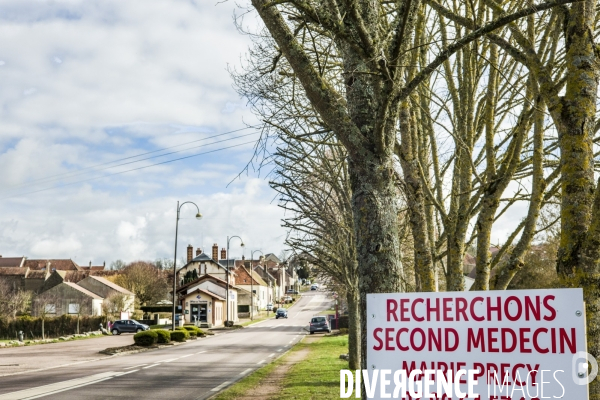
x: 85, y: 83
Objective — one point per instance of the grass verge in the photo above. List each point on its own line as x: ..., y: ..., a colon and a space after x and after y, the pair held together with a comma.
x: 315, y: 377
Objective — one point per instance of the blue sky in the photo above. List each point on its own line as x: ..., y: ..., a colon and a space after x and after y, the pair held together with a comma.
x: 85, y: 83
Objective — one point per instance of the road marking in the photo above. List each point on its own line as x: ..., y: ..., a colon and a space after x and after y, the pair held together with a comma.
x: 135, y: 366
x: 41, y: 391
x: 128, y: 372
x: 246, y: 371
x: 56, y: 366
x: 150, y: 366
x: 189, y: 355
x: 261, y: 362
x: 165, y: 361
x: 278, y: 350
x: 287, y: 345
x: 200, y: 352
x: 274, y: 326
x: 270, y: 355
x: 221, y: 386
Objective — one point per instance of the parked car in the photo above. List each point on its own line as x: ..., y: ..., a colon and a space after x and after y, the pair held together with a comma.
x: 127, y: 326
x: 287, y: 299
x: 319, y: 324
x: 314, y: 287
x: 270, y: 307
x: 281, y: 313
x: 291, y: 291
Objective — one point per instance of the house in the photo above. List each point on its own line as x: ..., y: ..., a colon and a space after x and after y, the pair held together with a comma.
x: 202, y: 288
x: 250, y: 281
x: 67, y: 298
x: 105, y: 288
x: 204, y: 301
x: 11, y: 262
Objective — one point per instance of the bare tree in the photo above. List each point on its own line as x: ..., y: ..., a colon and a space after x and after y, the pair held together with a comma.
x: 79, y: 307
x: 143, y: 278
x: 46, y: 305
x: 113, y: 305
x: 12, y: 300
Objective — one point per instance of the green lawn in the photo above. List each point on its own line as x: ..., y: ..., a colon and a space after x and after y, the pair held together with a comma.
x: 315, y: 377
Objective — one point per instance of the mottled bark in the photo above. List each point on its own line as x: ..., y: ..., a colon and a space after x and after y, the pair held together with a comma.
x: 577, y: 256
x: 423, y: 261
x: 354, y: 341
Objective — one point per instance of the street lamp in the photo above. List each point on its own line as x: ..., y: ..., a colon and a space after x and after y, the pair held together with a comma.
x: 198, y: 216
x: 252, y: 283
x: 228, y: 258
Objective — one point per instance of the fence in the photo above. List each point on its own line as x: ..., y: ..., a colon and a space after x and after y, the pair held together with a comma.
x: 53, y: 327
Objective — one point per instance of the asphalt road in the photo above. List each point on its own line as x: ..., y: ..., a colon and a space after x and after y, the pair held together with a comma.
x: 195, y: 370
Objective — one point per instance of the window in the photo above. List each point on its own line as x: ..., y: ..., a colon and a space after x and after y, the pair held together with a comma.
x: 50, y: 309
x: 73, y: 308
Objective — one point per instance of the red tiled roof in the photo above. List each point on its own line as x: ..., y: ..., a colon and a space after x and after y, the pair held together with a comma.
x: 59, y: 265
x: 8, y: 262
x: 13, y: 271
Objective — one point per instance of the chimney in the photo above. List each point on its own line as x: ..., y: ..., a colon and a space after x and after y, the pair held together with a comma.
x: 198, y: 251
x: 223, y: 254
x: 104, y: 264
x: 215, y: 252
x: 190, y: 253
x: 243, y: 257
x: 90, y: 264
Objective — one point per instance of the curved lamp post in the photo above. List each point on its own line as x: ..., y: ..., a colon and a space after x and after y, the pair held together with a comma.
x: 228, y: 258
x: 252, y: 283
x: 198, y: 216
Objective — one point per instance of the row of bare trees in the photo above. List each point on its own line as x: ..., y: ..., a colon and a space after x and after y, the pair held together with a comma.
x: 436, y: 118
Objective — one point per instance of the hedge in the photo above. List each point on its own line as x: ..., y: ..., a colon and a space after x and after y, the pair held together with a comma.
x: 180, y: 335
x: 163, y: 335
x: 145, y: 338
x: 191, y: 332
x: 194, y: 330
x: 53, y: 327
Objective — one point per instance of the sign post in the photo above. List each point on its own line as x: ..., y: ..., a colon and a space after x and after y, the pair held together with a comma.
x: 524, y: 344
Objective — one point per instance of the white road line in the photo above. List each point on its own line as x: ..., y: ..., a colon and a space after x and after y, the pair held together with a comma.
x: 56, y: 366
x: 200, y: 352
x: 189, y: 355
x: 270, y: 355
x: 128, y: 372
x: 135, y: 366
x: 221, y: 386
x: 261, y: 362
x: 274, y: 326
x: 164, y: 361
x: 150, y: 366
x: 246, y: 371
x: 278, y: 350
x: 41, y: 391
x: 287, y: 345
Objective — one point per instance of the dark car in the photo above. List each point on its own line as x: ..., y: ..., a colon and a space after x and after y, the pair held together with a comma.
x: 292, y: 291
x: 281, y: 313
x: 127, y: 326
x: 319, y: 324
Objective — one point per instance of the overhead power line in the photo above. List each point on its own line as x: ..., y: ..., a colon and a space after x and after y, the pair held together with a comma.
x: 106, y: 165
x: 130, y: 170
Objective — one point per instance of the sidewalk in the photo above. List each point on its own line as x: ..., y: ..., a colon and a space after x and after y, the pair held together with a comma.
x: 15, y: 360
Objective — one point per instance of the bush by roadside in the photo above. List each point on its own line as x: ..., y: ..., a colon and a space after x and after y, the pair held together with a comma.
x: 179, y: 335
x: 145, y: 338
x: 163, y: 335
x: 53, y: 327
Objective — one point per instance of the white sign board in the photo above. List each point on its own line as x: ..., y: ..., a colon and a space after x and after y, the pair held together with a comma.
x: 529, y: 338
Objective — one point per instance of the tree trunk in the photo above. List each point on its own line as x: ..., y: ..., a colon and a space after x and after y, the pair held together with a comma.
x: 43, y: 334
x: 423, y: 263
x: 374, y: 201
x: 574, y: 118
x: 354, y: 343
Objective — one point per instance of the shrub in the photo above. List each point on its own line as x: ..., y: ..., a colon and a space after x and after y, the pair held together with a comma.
x: 163, y: 335
x: 194, y: 330
x: 145, y: 338
x: 274, y: 309
x: 189, y: 329
x: 343, y: 321
x: 343, y: 331
x: 179, y: 335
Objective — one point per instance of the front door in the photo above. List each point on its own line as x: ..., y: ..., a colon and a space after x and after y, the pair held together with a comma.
x: 202, y: 312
